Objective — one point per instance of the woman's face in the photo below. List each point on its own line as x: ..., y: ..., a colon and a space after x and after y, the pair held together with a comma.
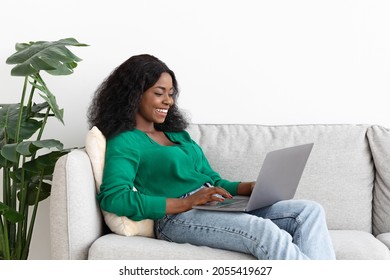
x: 156, y: 101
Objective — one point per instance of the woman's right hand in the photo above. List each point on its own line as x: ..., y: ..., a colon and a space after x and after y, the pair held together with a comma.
x: 204, y: 195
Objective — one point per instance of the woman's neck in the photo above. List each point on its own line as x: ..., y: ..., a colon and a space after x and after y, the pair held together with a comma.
x: 146, y: 127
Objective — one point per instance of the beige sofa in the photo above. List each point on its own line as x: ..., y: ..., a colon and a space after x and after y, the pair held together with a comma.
x: 348, y: 172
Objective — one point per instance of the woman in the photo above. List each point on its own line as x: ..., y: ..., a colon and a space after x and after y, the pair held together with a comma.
x: 154, y: 170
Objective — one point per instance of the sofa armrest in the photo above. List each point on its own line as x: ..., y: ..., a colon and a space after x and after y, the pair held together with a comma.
x: 384, y: 238
x: 75, y: 217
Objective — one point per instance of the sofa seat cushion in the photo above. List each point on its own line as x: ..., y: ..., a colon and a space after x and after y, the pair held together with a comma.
x: 348, y: 244
x: 358, y: 245
x: 115, y: 247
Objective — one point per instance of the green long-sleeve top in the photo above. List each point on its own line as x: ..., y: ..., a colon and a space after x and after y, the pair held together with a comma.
x: 139, y: 174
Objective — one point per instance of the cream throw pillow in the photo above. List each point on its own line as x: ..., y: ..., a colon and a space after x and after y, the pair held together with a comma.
x: 95, y: 146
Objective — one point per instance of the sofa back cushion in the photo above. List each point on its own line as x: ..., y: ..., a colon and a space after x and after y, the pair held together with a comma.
x: 339, y: 173
x: 379, y: 139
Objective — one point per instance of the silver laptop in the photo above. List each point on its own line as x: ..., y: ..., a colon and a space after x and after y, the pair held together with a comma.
x: 278, y: 180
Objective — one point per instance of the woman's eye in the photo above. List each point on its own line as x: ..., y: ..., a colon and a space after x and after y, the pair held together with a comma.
x: 158, y: 94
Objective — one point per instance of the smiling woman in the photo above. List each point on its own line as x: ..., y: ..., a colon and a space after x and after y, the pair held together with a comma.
x: 155, y: 170
x: 141, y: 92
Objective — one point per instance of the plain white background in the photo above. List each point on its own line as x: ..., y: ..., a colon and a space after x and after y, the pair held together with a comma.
x: 247, y: 61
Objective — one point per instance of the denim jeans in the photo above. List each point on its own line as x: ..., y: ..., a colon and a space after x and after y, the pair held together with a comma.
x: 290, y: 230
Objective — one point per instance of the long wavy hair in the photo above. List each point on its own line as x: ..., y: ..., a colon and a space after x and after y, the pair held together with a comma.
x: 116, y: 100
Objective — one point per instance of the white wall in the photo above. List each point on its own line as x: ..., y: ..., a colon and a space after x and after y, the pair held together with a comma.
x: 247, y: 61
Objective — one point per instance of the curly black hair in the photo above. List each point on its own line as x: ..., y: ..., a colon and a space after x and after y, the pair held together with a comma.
x: 116, y: 100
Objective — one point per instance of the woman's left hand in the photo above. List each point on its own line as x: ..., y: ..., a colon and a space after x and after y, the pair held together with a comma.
x: 245, y: 188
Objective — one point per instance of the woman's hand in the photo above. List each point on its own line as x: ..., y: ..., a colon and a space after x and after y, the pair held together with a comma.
x: 245, y: 188
x: 204, y: 195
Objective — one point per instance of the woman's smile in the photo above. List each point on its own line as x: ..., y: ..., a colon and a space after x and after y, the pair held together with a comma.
x: 162, y: 111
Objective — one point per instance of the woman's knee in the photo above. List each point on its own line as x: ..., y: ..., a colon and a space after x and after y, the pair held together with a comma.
x: 315, y: 207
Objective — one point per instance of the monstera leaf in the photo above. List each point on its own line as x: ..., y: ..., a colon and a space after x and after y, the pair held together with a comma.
x: 27, y: 148
x: 48, y: 97
x: 10, y: 214
x: 9, y: 121
x: 53, y: 57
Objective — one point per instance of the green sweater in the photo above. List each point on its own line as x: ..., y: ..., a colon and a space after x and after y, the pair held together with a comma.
x: 139, y: 174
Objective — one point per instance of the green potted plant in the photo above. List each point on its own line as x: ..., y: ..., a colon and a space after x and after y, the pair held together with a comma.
x: 27, y: 160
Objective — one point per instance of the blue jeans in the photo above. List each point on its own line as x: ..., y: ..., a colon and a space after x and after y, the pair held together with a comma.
x: 289, y: 230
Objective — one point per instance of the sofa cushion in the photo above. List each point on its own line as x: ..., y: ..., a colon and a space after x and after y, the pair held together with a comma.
x: 358, y: 245
x: 379, y: 139
x: 339, y: 173
x: 348, y: 244
x: 95, y: 145
x: 114, y: 247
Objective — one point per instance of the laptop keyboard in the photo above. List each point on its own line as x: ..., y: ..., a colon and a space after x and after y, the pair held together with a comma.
x: 232, y: 203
